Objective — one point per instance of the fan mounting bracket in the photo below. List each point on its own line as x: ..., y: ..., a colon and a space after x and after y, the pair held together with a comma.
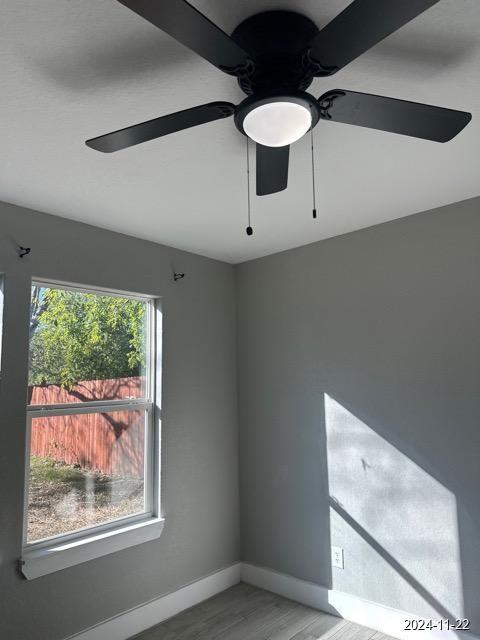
x: 326, y: 102
x: 317, y: 68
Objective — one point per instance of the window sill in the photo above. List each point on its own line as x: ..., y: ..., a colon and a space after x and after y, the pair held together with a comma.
x: 40, y: 562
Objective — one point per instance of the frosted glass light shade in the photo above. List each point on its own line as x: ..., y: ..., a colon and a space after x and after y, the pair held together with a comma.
x: 277, y: 124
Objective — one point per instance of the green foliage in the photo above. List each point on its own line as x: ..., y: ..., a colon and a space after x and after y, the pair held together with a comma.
x: 48, y: 470
x: 84, y: 336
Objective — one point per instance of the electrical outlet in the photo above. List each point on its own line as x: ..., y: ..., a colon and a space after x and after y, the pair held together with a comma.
x: 337, y: 557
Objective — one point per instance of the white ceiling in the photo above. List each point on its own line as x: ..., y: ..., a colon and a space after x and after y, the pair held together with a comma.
x: 74, y: 69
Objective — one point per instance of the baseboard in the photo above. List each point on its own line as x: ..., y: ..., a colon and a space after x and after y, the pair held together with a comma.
x: 147, y: 615
x: 307, y: 593
x: 352, y: 608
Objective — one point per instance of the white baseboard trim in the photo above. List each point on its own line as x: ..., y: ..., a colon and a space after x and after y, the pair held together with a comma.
x: 369, y: 614
x: 301, y: 591
x: 352, y: 608
x: 147, y: 615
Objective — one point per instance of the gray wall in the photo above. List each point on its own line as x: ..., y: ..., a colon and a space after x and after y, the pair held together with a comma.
x: 200, y: 475
x: 359, y: 371
x: 359, y: 396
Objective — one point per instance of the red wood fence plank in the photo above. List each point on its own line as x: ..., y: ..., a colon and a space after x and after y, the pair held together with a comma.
x: 112, y: 443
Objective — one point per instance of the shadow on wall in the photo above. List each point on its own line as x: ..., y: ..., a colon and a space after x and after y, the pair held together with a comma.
x: 394, y: 520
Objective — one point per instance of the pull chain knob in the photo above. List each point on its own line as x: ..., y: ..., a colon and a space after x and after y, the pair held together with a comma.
x: 249, y: 229
x: 314, y: 208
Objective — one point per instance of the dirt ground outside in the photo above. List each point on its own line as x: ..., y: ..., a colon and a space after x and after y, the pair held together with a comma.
x: 64, y: 498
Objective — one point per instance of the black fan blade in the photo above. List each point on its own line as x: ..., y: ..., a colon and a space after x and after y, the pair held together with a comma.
x: 359, y: 27
x: 194, y: 30
x: 272, y: 169
x: 159, y: 127
x: 389, y: 114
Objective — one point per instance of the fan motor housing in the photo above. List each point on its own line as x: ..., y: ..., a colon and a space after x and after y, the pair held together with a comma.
x: 277, y: 42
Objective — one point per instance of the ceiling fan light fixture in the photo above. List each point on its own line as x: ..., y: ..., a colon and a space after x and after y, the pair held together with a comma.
x: 277, y: 124
x: 277, y: 119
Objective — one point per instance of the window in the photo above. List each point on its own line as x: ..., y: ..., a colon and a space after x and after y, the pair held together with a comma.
x: 92, y: 463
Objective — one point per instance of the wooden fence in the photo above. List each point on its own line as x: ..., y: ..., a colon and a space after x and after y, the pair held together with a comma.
x: 111, y: 443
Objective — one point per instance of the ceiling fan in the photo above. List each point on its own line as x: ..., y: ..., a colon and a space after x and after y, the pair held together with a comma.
x: 275, y: 55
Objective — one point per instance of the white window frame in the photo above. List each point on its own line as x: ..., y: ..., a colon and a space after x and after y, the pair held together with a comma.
x: 61, y: 551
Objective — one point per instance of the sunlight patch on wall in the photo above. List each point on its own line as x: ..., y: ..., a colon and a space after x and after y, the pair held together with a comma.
x: 396, y: 523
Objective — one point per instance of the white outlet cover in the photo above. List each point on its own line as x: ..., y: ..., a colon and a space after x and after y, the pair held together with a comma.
x: 337, y: 557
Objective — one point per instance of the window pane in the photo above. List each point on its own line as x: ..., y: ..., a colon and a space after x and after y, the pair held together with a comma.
x: 85, y: 346
x: 85, y: 469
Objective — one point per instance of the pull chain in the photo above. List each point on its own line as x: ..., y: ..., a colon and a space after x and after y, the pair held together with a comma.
x: 314, y: 210
x: 249, y: 229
